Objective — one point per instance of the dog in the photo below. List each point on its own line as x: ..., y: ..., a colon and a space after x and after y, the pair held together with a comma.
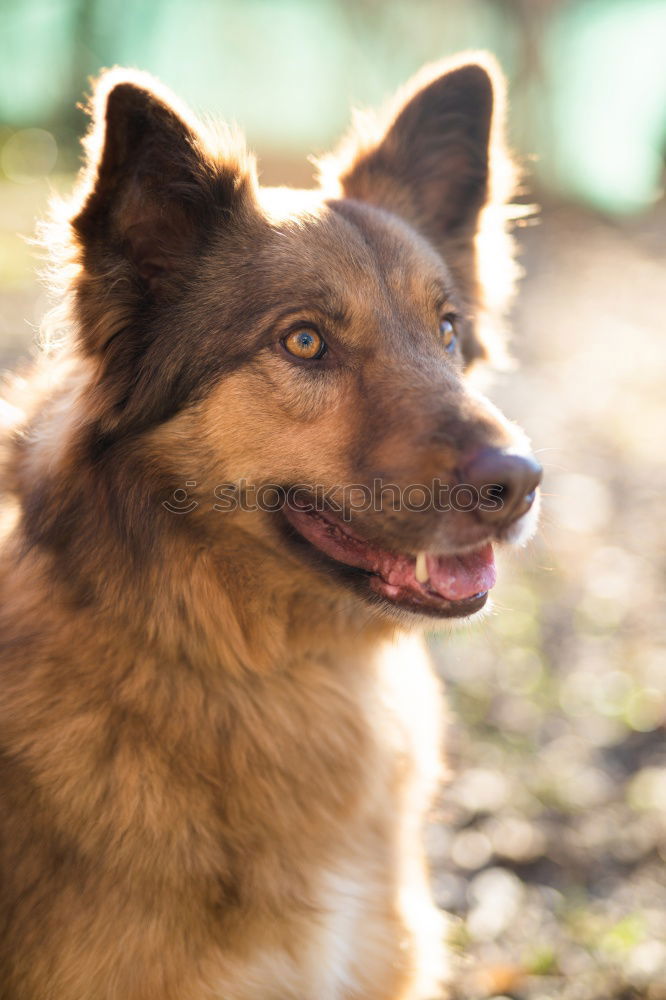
x: 219, y: 728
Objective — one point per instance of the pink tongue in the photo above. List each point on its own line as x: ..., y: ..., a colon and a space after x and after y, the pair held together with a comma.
x: 455, y: 578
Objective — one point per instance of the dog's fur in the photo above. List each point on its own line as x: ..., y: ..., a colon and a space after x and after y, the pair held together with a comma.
x: 215, y: 750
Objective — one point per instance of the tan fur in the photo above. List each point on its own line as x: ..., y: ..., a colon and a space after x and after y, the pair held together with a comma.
x: 215, y: 758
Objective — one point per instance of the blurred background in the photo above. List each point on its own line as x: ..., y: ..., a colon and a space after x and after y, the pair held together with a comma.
x: 549, y: 846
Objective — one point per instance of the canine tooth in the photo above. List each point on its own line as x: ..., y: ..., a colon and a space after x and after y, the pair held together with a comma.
x: 421, y: 568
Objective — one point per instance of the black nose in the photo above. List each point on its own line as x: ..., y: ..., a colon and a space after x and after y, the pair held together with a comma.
x: 506, y: 484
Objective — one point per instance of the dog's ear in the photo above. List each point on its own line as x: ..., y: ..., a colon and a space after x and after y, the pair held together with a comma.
x: 154, y: 188
x: 437, y: 159
x: 431, y: 163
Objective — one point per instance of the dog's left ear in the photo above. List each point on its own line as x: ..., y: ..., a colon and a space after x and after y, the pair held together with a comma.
x: 431, y: 163
x: 154, y: 190
x: 158, y: 190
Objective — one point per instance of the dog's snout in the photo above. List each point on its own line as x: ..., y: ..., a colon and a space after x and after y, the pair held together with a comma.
x: 506, y: 483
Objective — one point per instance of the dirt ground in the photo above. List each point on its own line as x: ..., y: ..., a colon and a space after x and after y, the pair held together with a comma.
x: 549, y: 844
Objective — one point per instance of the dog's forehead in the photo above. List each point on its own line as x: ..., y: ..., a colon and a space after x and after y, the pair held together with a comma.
x: 367, y: 257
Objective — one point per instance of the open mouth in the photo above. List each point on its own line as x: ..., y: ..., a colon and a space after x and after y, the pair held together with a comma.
x: 452, y: 585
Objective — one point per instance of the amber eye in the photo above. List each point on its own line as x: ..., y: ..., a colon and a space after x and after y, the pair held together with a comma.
x: 447, y: 332
x: 306, y: 344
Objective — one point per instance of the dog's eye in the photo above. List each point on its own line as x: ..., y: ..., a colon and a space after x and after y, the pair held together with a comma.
x: 306, y: 344
x: 447, y: 331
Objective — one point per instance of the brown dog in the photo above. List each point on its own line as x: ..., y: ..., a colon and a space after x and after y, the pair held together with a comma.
x: 218, y: 726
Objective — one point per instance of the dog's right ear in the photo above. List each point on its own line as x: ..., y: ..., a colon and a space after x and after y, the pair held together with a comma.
x: 436, y: 159
x: 154, y: 188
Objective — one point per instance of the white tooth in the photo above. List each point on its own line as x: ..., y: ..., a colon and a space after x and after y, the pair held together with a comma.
x: 421, y: 568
